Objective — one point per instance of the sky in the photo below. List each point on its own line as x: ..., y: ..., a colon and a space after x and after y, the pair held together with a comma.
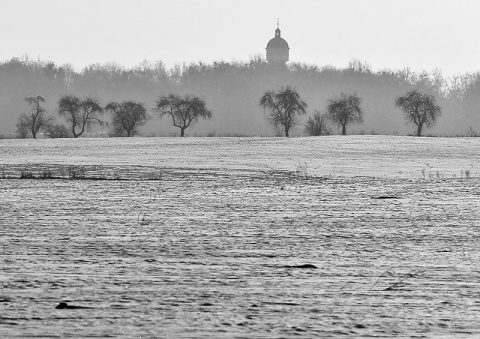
x: 423, y: 35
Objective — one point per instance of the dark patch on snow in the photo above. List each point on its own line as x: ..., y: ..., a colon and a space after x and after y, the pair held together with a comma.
x: 301, y: 266
x: 63, y: 306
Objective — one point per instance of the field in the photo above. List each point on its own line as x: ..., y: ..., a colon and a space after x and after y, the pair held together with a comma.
x: 206, y: 237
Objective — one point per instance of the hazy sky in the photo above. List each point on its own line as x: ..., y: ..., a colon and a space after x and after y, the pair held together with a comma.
x: 420, y: 34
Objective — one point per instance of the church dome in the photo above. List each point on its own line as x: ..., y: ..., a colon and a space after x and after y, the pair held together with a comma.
x: 277, y: 49
x: 277, y: 42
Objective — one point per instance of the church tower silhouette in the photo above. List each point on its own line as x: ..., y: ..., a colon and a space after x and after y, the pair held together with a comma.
x: 277, y: 48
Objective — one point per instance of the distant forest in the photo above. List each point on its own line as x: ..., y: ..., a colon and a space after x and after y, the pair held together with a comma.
x: 232, y: 92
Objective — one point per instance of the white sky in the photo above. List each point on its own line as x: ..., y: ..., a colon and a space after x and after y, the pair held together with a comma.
x: 420, y: 34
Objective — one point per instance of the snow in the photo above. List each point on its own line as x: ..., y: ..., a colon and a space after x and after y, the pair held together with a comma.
x: 206, y: 249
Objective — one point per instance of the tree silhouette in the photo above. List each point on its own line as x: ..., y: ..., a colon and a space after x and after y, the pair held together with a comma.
x: 184, y: 111
x: 80, y: 114
x: 345, y: 110
x: 284, y: 108
x: 419, y: 109
x: 35, y: 120
x: 127, y: 117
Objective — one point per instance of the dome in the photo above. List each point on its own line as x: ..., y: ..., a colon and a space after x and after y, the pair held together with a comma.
x: 277, y: 42
x: 277, y: 49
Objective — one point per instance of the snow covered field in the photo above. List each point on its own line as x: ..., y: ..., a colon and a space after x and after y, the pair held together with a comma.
x: 211, y: 247
x: 377, y: 156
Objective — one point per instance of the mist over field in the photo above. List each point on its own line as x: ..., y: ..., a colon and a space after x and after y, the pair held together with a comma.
x: 239, y: 169
x: 232, y: 91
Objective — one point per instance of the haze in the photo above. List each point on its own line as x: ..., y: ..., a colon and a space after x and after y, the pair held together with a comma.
x: 422, y: 35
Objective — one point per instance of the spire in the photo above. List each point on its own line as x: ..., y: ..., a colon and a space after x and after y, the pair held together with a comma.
x: 277, y: 31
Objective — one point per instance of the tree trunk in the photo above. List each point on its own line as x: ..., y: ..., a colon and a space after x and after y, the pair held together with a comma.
x: 344, y: 129
x: 34, y: 134
x: 182, y: 132
x: 286, y: 131
x: 419, y: 130
x: 129, y: 134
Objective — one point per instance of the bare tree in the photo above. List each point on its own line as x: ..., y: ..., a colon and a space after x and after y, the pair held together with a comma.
x: 81, y: 114
x: 419, y: 109
x: 184, y: 111
x: 69, y: 107
x: 127, y: 117
x: 284, y: 106
x: 317, y: 125
x: 345, y: 110
x: 35, y: 120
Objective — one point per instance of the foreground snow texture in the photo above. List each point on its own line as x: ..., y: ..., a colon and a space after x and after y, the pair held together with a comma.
x: 209, y: 249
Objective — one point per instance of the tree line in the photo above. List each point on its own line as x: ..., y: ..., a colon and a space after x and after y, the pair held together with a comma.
x: 127, y: 116
x: 285, y: 106
x: 284, y: 109
x: 232, y: 92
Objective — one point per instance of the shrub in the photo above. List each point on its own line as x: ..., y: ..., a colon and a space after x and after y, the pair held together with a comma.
x: 317, y: 125
x: 58, y: 131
